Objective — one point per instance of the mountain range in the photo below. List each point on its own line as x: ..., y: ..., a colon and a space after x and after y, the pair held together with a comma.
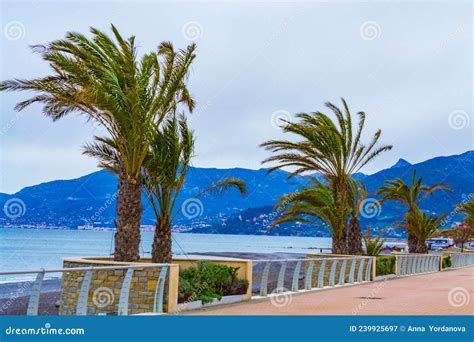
x: 90, y: 200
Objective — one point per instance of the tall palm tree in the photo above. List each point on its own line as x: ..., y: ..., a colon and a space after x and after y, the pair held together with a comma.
x: 103, y: 78
x: 331, y: 148
x: 164, y: 173
x: 422, y: 226
x: 410, y: 195
x: 316, y: 201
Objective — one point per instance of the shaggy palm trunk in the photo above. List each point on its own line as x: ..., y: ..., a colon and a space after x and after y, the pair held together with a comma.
x: 339, y: 245
x: 421, y: 247
x: 354, y: 237
x: 129, y: 213
x: 161, y: 250
x: 412, y: 243
x: 339, y: 238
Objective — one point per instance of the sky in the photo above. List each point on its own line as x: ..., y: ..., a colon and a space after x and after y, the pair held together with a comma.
x: 407, y: 65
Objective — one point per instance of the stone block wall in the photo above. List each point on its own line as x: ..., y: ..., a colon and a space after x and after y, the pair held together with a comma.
x: 104, y: 290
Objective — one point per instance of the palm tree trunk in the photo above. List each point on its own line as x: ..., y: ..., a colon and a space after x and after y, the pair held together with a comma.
x: 339, y: 238
x: 129, y: 213
x: 161, y: 249
x: 354, y: 237
x: 339, y: 245
x: 421, y: 247
x: 412, y: 243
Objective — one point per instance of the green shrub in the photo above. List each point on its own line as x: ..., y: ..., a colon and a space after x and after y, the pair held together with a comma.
x: 446, y: 261
x: 209, y: 281
x: 385, y: 265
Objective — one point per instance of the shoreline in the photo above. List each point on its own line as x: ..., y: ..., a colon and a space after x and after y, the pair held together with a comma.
x: 389, y: 238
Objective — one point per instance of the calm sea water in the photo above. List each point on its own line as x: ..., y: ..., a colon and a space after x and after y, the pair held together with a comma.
x: 22, y: 249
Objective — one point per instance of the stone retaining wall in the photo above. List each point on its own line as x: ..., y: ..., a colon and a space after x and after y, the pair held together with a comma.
x: 105, y: 286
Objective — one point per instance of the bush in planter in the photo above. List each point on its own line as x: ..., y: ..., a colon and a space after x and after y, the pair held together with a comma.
x: 385, y: 265
x: 209, y: 281
x: 446, y: 261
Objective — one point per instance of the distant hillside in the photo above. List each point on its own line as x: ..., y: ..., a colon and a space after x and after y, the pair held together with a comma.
x: 457, y: 171
x: 91, y: 199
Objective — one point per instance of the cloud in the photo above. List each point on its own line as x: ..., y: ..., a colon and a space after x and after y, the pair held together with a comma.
x: 255, y: 59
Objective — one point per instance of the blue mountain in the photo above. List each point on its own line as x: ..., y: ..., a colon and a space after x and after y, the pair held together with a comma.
x: 401, y: 163
x: 91, y: 199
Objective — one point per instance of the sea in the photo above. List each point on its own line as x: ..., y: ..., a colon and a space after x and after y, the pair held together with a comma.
x: 31, y: 249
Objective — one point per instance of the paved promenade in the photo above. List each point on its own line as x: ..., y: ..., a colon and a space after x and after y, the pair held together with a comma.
x: 441, y: 293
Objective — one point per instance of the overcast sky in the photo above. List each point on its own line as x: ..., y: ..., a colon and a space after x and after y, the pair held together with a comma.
x: 408, y: 66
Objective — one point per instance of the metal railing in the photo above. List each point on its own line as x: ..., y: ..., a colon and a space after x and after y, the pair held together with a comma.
x: 318, y: 273
x: 81, y: 306
x: 462, y: 259
x: 414, y: 264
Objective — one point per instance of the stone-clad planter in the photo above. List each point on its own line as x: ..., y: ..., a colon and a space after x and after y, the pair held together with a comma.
x: 105, y: 287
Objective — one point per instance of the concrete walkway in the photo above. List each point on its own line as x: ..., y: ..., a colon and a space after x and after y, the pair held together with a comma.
x: 441, y: 293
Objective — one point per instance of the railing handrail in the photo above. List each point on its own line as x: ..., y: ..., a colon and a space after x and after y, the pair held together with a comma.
x: 316, y: 258
x: 86, y: 268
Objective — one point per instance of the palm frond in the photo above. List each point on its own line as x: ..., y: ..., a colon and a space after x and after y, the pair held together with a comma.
x: 224, y: 185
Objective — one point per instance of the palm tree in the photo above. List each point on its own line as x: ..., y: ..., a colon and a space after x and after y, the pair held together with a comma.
x: 330, y: 148
x: 467, y: 209
x: 422, y: 227
x: 164, y: 173
x: 316, y: 201
x: 464, y: 232
x: 411, y: 196
x: 373, y: 247
x: 103, y: 78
